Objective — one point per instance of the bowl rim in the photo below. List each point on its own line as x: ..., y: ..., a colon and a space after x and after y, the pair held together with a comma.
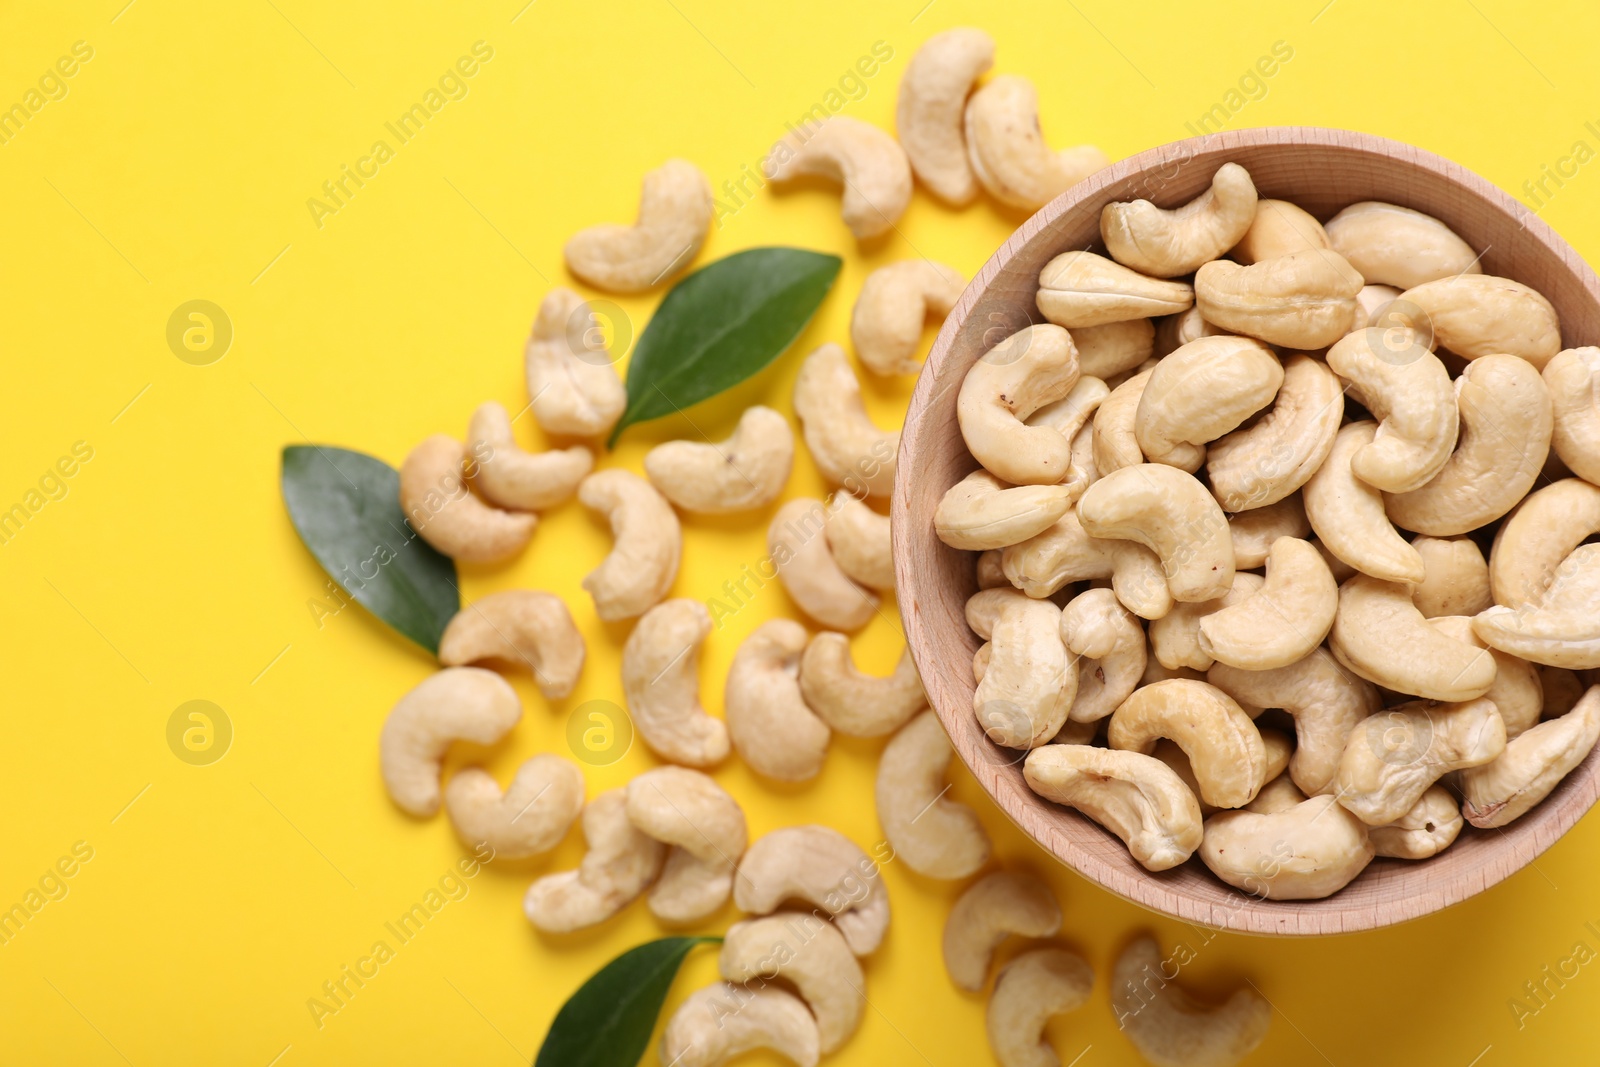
x: 1531, y: 835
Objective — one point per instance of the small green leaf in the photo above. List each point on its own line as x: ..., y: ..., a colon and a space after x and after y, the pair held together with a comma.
x: 607, y: 1022
x: 346, y: 507
x: 722, y: 324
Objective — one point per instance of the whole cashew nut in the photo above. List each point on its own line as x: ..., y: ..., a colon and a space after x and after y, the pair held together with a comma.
x: 440, y: 507
x: 1395, y: 755
x: 573, y: 385
x: 868, y: 164
x: 674, y: 215
x: 705, y: 830
x: 1430, y: 827
x: 1393, y: 245
x: 1113, y: 347
x: 1078, y: 289
x: 1202, y: 391
x: 928, y: 113
x: 768, y: 721
x: 660, y: 678
x: 1562, y: 627
x: 1070, y: 415
x: 858, y: 537
x: 1571, y: 378
x: 798, y: 544
x: 1284, y: 620
x: 1136, y: 797
x: 1379, y: 634
x: 746, y: 471
x: 1169, y: 1027
x: 853, y: 703
x: 1517, y: 693
x: 509, y: 477
x: 821, y: 867
x: 1170, y: 513
x: 518, y: 626
x: 1531, y: 766
x: 1224, y: 747
x: 1455, y: 577
x: 455, y: 704
x: 1542, y: 531
x: 886, y: 323
x: 1175, y: 637
x: 1327, y: 702
x: 1109, y: 645
x: 812, y: 956
x: 620, y: 863
x: 1008, y: 152
x: 995, y: 906
x: 1165, y: 244
x: 643, y: 561
x: 1303, y: 301
x: 1349, y: 517
x: 724, y: 1021
x: 1254, y: 531
x: 530, y: 817
x: 1280, y: 229
x: 1036, y: 366
x: 982, y: 512
x: 1477, y: 315
x: 1278, y: 453
x: 1064, y: 553
x: 1028, y: 685
x: 1116, y: 442
x: 847, y: 447
x: 1408, y: 390
x: 936, y: 837
x: 1030, y: 990
x: 1306, y: 852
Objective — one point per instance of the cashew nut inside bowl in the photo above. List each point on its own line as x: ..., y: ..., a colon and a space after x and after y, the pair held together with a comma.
x: 660, y: 677
x: 1173, y: 515
x: 510, y: 478
x: 848, y: 448
x: 455, y: 704
x: 1543, y: 530
x: 1031, y: 989
x: 769, y: 723
x: 821, y: 867
x: 530, y: 817
x: 854, y: 703
x: 1303, y: 301
x: 1393, y: 245
x: 761, y: 1018
x: 1305, y: 852
x: 1284, y: 620
x: 643, y: 561
x: 1165, y: 244
x: 1348, y: 514
x: 1029, y: 685
x: 928, y: 113
x: 1432, y: 824
x: 1562, y: 627
x: 1110, y: 647
x: 1223, y: 745
x: 748, y: 470
x: 895, y: 301
x: 705, y: 830
x: 868, y: 164
x: 1531, y: 766
x: 1116, y: 442
x: 1136, y: 797
x: 518, y: 626
x: 621, y: 862
x: 1394, y: 756
x: 1516, y: 692
x: 1280, y: 229
x: 1379, y: 634
x: 1064, y: 553
x: 1476, y: 315
x: 992, y: 908
x: 674, y: 215
x: 1169, y: 1027
x: 1014, y: 379
x: 1175, y: 637
x: 1008, y: 152
x: 1259, y: 466
x: 572, y: 384
x: 1078, y: 289
x: 982, y: 512
x: 1201, y: 392
x: 811, y: 955
x: 1571, y: 378
x: 440, y: 507
x: 1114, y: 347
x: 935, y: 836
x: 1392, y: 373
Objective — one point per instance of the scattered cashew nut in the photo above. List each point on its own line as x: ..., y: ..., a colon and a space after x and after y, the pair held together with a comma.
x: 724, y: 1021
x: 809, y: 954
x: 440, y: 507
x: 511, y: 478
x: 934, y: 836
x: 821, y: 867
x: 1169, y: 1027
x: 530, y: 817
x: 928, y: 114
x: 620, y: 863
x: 746, y: 471
x: 993, y: 907
x: 573, y: 385
x: 455, y: 704
x: 1008, y: 152
x: 1030, y: 990
x: 858, y: 537
x: 674, y: 216
x: 643, y: 561
x: 769, y: 723
x: 518, y: 626
x: 853, y: 703
x: 868, y: 164
x: 797, y: 542
x: 846, y: 445
x: 705, y: 830
x: 886, y: 323
x: 660, y: 678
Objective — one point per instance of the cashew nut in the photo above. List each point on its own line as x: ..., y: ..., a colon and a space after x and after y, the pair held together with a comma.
x: 928, y: 114
x: 768, y: 722
x: 1030, y: 990
x: 1477, y: 315
x: 1455, y: 577
x: 1302, y: 301
x: 1255, y: 530
x: 1035, y: 366
x: 1516, y: 692
x: 1406, y: 387
x: 868, y: 164
x: 1340, y: 569
x: 1306, y: 852
x: 661, y: 680
x: 1064, y: 553
x: 847, y: 447
x: 1379, y: 634
x: 1395, y: 755
x: 1008, y: 152
x: 1028, y: 687
x: 643, y: 561
x: 1169, y: 1027
x: 858, y: 538
x: 1393, y: 245
x: 1175, y: 637
x: 1279, y: 749
x: 1531, y: 766
x: 981, y: 511
x: 530, y: 817
x: 1083, y: 451
x: 1069, y: 415
x: 1109, y: 645
x: 674, y: 215
x: 1165, y: 244
x: 1136, y: 797
x: 993, y: 907
x: 1280, y: 229
x: 1078, y: 289
x: 1223, y: 745
x: 821, y: 867
x: 936, y: 837
x: 705, y: 830
x: 509, y: 477
x: 455, y: 704
x: 574, y: 388
x: 1430, y: 827
x: 1574, y: 387
x: 886, y: 324
x: 1113, y: 347
x: 1170, y: 513
x: 1326, y: 700
x: 440, y: 507
x: 518, y: 626
x: 798, y: 544
x: 1537, y: 536
x: 1278, y: 795
x: 1201, y: 392
x: 1116, y: 443
x: 1349, y: 517
x: 853, y: 703
x: 1562, y: 627
x: 621, y: 861
x: 1284, y: 620
x: 1371, y: 301
x: 724, y: 1021
x: 748, y: 470
x: 1279, y: 452
x: 1175, y: 331
x: 808, y: 953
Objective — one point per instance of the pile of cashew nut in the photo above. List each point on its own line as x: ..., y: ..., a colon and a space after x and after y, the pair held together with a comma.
x: 1278, y: 520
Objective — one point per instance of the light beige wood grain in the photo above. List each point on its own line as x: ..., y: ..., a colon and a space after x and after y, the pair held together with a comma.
x: 1322, y: 171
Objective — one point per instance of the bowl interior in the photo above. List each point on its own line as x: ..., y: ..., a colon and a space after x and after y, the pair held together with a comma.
x: 1321, y: 171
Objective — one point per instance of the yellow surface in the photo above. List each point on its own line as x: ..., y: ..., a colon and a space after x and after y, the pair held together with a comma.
x: 178, y: 165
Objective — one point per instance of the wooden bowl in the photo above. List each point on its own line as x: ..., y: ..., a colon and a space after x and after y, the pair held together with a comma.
x: 1322, y: 171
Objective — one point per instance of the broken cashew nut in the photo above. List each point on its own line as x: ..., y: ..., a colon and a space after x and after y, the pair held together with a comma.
x: 648, y: 542
x: 993, y: 907
x: 934, y: 836
x: 746, y: 471
x: 660, y: 679
x: 455, y: 704
x: 674, y: 216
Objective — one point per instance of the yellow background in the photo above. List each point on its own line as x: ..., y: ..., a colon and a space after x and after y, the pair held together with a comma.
x: 178, y: 167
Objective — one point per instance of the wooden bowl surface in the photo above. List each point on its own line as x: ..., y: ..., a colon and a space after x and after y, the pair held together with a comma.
x: 1322, y: 171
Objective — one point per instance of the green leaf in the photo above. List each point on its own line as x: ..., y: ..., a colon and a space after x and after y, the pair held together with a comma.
x: 722, y: 324
x: 607, y: 1022
x: 346, y: 507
